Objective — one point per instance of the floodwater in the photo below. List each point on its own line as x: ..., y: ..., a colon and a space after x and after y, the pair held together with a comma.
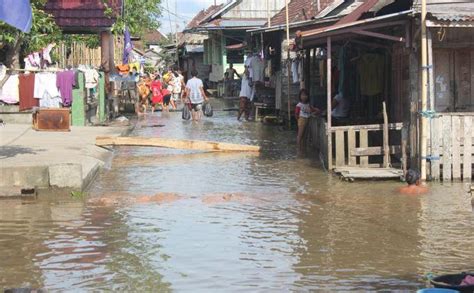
x: 288, y: 226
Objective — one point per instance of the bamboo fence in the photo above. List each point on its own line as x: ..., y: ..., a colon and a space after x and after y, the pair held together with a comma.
x: 80, y: 54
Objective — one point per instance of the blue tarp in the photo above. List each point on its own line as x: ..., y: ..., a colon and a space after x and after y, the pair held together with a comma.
x: 17, y: 13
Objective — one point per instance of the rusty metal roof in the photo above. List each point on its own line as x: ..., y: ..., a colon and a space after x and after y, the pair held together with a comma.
x: 299, y: 10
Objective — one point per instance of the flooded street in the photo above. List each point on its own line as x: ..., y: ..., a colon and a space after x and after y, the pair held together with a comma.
x: 288, y: 226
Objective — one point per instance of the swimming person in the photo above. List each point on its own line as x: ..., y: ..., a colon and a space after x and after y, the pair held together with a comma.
x: 414, y: 185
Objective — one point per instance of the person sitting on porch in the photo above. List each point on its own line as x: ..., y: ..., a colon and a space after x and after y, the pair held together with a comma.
x: 414, y: 186
x: 339, y: 106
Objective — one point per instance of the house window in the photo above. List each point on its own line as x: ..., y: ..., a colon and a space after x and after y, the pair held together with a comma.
x: 453, y: 82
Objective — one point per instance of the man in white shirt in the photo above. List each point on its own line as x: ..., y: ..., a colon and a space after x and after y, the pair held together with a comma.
x: 196, y: 95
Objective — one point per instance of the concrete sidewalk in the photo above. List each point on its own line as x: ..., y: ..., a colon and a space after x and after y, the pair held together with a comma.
x: 30, y: 158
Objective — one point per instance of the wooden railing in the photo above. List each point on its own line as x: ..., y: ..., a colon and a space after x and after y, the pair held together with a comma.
x: 354, y: 145
x: 451, y: 146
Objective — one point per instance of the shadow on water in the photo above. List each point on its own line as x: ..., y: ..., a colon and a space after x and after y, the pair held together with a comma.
x: 243, y: 222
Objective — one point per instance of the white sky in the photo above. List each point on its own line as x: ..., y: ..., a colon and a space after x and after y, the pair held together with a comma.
x: 186, y: 10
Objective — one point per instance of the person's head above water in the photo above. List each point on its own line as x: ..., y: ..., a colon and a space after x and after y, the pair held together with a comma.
x: 412, y: 177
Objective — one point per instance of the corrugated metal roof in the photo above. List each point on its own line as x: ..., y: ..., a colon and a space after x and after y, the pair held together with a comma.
x: 448, y: 10
x: 346, y: 8
x: 335, y: 29
x: 194, y: 48
x: 234, y: 23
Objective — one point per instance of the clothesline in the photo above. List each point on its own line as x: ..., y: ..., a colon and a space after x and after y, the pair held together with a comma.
x: 36, y: 70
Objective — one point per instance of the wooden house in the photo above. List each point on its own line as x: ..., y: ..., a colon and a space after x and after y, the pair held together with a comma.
x: 226, y: 30
x: 372, y: 57
x: 371, y: 52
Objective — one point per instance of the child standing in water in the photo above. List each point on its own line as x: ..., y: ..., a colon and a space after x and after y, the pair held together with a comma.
x: 302, y: 112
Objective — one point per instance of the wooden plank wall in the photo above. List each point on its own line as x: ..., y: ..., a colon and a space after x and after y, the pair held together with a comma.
x: 452, y: 148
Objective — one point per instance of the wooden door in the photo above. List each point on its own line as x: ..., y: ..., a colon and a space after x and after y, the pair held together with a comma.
x: 443, y: 78
x: 454, y: 80
x: 463, y: 80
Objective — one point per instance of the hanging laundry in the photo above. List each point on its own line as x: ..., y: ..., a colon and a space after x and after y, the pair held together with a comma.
x: 248, y: 64
x: 294, y: 71
x: 300, y: 70
x: 37, y: 58
x: 91, y: 77
x: 47, y: 51
x: 50, y: 102
x: 45, y: 82
x: 9, y: 93
x: 257, y: 67
x: 65, y: 81
x: 27, y: 87
x: 371, y: 71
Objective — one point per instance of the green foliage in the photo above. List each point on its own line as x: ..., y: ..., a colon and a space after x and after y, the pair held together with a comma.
x: 139, y: 16
x: 43, y: 30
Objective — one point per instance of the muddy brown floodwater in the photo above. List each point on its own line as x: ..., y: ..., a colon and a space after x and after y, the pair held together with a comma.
x: 166, y: 220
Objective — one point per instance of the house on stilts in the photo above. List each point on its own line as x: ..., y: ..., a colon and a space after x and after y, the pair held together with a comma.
x: 370, y: 53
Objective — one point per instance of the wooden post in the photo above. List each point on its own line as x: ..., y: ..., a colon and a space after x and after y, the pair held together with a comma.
x: 404, y: 149
x: 468, y: 151
x: 269, y: 17
x: 105, y: 50
x: 386, y: 149
x: 424, y: 90
x: 431, y: 73
x: 329, y: 98
x: 288, y: 61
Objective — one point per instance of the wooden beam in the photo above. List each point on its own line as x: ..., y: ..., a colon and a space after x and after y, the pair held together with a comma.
x: 379, y: 35
x: 369, y: 127
x: 175, y: 144
x: 386, y: 148
x: 375, y: 151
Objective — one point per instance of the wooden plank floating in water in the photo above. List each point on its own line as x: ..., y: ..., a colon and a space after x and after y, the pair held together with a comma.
x: 369, y: 173
x: 175, y: 144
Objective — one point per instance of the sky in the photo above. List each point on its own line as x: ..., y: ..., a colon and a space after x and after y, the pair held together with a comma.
x: 186, y: 10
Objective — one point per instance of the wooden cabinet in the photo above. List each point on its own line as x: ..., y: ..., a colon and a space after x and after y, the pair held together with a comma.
x: 52, y: 120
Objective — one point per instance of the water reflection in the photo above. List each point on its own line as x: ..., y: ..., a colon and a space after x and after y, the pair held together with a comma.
x: 288, y: 226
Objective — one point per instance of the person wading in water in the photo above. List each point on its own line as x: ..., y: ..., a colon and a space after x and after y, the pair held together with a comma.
x: 196, y: 95
x: 414, y: 187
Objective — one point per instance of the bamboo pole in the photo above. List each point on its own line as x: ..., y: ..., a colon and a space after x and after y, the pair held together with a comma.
x: 268, y: 14
x: 329, y: 100
x: 424, y: 91
x: 288, y: 61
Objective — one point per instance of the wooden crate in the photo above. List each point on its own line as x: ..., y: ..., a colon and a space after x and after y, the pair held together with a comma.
x: 52, y: 120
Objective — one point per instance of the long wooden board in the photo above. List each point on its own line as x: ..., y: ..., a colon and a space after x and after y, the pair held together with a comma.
x: 175, y: 144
